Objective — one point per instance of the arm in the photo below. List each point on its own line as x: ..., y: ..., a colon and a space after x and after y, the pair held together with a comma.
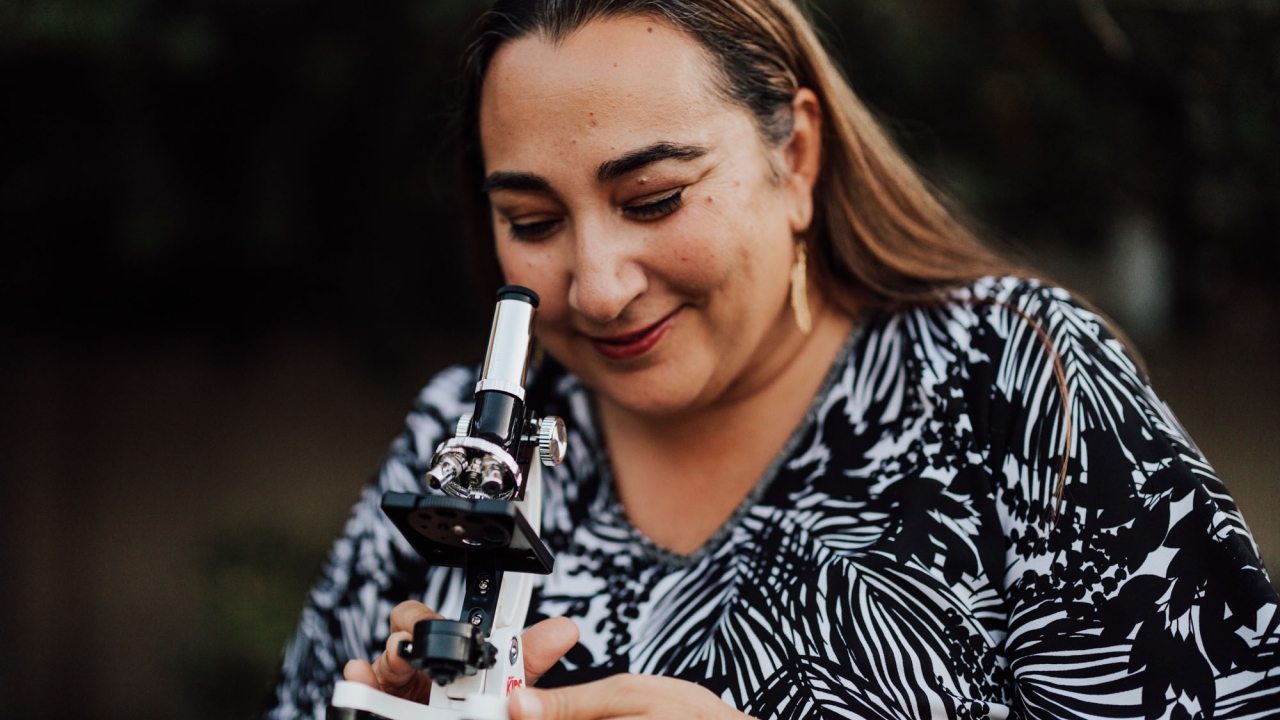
x: 1146, y: 594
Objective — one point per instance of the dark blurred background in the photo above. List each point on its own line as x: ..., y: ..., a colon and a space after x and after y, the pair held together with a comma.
x: 230, y: 254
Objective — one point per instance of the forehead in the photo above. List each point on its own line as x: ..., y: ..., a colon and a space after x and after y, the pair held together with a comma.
x: 613, y: 85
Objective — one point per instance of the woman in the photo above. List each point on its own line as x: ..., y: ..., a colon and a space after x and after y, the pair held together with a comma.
x: 828, y: 455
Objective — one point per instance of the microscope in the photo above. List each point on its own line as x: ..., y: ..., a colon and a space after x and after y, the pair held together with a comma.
x: 486, y: 521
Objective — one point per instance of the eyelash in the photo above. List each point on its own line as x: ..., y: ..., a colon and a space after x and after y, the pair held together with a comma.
x: 533, y: 230
x: 656, y: 209
x: 647, y: 211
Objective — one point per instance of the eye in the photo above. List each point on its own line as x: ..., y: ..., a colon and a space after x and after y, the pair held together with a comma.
x: 654, y: 209
x: 533, y: 230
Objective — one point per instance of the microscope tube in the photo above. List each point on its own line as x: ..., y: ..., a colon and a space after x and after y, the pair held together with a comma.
x: 508, y: 356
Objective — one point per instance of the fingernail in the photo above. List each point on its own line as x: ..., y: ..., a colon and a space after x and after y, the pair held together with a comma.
x: 527, y: 703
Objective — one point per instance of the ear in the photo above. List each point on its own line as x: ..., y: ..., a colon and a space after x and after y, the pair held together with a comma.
x: 803, y: 157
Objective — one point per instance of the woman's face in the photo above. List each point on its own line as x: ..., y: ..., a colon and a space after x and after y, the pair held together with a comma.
x: 656, y: 225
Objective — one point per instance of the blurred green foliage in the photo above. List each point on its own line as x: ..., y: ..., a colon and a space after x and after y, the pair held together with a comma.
x: 255, y: 581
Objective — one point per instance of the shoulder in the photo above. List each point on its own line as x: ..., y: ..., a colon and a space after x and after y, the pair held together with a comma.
x: 449, y: 389
x: 1006, y: 309
x: 1012, y: 309
x: 1016, y: 368
x: 1009, y: 332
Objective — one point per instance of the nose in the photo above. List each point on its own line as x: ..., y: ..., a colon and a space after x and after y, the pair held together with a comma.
x: 607, y: 274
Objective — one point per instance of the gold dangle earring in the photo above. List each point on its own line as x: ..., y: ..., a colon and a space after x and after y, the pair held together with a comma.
x: 799, y: 290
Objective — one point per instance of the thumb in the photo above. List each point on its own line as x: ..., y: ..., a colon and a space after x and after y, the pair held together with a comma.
x: 362, y: 672
x: 525, y: 704
x: 544, y: 644
x: 599, y: 699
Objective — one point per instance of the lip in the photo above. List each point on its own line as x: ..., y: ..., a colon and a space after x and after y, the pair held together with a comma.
x: 629, y: 346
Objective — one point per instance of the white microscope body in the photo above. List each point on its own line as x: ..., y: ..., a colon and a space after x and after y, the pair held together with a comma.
x: 487, y: 521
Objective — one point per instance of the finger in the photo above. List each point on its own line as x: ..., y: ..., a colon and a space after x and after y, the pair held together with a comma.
x: 545, y: 643
x: 362, y: 672
x: 410, y: 613
x: 396, y: 676
x: 600, y: 699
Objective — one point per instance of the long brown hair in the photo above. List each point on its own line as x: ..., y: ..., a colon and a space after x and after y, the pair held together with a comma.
x: 880, y: 237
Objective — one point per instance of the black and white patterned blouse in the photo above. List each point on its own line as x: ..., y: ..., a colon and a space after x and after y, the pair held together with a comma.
x: 898, y: 559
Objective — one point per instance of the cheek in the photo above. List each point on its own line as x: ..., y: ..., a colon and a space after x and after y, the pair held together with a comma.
x: 519, y: 264
x: 692, y: 258
x: 540, y: 267
x: 700, y: 249
x: 724, y: 240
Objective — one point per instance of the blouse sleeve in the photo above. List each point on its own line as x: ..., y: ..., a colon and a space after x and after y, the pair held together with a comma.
x: 371, y: 568
x: 1139, y: 593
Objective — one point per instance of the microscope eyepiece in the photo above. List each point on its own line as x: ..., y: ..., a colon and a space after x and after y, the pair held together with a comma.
x: 508, y: 355
x: 518, y: 292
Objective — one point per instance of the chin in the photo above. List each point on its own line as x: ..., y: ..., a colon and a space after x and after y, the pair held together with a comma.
x: 647, y: 401
x: 662, y: 389
x: 665, y: 382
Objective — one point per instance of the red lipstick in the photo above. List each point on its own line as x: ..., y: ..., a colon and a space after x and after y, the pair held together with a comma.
x: 628, y: 346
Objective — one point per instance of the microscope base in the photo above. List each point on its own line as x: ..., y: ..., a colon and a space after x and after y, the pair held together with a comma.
x: 353, y: 701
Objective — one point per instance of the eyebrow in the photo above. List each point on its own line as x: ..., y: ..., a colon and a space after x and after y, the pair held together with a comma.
x: 514, y: 181
x: 608, y: 170
x: 636, y: 159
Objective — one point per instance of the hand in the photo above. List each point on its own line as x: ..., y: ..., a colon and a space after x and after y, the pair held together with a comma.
x: 544, y: 644
x: 630, y: 696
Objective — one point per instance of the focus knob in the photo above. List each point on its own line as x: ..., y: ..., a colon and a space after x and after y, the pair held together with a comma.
x: 553, y: 441
x: 464, y: 426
